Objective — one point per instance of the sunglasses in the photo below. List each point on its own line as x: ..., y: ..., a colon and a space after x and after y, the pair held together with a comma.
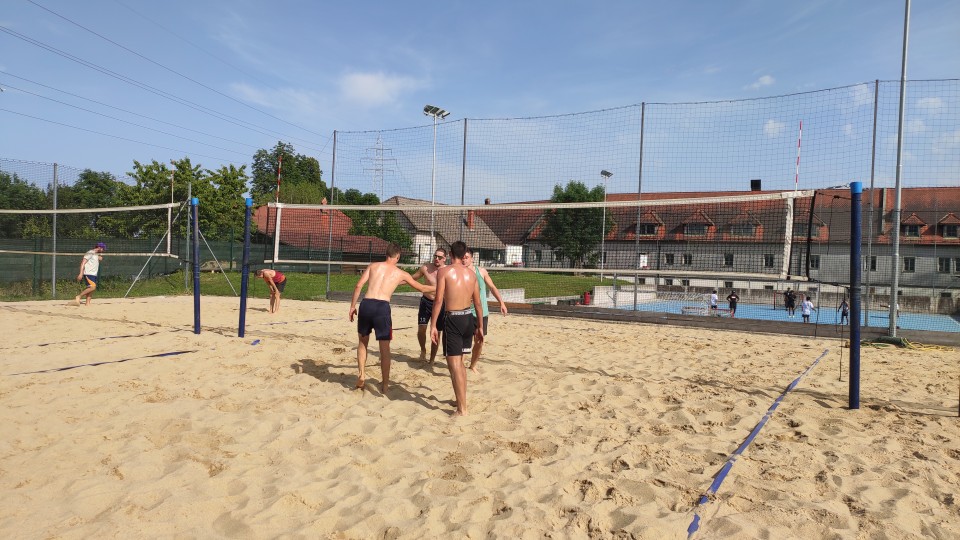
x: 439, y: 256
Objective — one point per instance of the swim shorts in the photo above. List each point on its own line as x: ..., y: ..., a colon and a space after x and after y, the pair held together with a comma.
x: 375, y: 315
x: 458, y: 332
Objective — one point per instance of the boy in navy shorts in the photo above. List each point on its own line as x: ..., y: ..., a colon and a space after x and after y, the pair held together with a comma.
x: 381, y: 279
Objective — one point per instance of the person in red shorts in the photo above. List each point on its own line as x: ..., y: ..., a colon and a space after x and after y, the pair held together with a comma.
x: 276, y: 281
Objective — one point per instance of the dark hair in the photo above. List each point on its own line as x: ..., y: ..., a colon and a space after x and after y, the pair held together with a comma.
x: 393, y: 250
x: 441, y: 250
x: 470, y: 250
x: 458, y: 249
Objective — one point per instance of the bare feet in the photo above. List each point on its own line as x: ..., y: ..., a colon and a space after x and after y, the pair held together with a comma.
x: 423, y: 355
x: 384, y: 386
x: 457, y: 413
x: 360, y: 382
x: 474, y: 369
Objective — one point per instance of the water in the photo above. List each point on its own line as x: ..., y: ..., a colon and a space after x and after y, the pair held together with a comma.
x: 828, y: 316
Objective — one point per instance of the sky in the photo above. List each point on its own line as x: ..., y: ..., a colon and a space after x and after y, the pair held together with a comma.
x: 217, y: 80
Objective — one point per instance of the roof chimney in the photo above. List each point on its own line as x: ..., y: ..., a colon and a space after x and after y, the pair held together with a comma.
x: 486, y: 201
x: 470, y: 219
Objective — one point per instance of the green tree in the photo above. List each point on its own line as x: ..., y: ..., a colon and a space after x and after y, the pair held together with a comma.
x: 221, y: 210
x: 17, y: 194
x: 91, y: 190
x: 301, y: 178
x: 575, y: 233
x: 383, y: 225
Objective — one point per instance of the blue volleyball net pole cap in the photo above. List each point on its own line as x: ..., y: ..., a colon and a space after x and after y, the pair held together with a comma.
x: 195, y: 201
x: 249, y: 201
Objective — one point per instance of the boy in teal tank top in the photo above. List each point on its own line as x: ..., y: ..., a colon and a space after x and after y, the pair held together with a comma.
x: 483, y: 278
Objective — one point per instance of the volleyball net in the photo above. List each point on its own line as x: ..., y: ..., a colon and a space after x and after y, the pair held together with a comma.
x: 621, y: 252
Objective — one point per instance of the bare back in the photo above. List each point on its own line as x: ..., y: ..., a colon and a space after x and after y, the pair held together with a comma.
x: 383, y: 279
x: 459, y: 285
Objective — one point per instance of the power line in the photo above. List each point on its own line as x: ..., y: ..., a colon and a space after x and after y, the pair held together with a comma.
x: 146, y: 87
x: 126, y: 111
x: 222, y: 160
x: 124, y: 121
x: 171, y: 70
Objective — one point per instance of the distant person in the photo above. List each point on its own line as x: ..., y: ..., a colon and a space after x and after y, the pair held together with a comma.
x: 89, y: 272
x: 457, y: 289
x: 276, y: 281
x: 732, y: 300
x: 790, y: 302
x: 844, y: 310
x: 374, y: 314
x: 805, y: 308
x: 713, y: 303
x: 429, y: 274
x: 483, y: 278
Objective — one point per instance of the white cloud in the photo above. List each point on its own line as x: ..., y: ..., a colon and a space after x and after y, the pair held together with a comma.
x: 848, y: 129
x: 916, y: 126
x: 711, y: 70
x: 931, y: 104
x: 862, y: 94
x: 375, y: 89
x: 772, y: 128
x: 765, y: 80
x: 299, y: 101
x: 947, y: 143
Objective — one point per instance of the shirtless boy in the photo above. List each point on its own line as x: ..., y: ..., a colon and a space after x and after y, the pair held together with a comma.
x: 483, y: 278
x: 374, y: 315
x: 457, y: 290
x: 429, y: 274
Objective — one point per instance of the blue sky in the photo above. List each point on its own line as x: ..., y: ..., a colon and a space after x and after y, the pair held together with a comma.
x: 297, y: 70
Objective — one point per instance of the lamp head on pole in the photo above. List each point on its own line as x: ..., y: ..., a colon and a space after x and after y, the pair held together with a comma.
x: 436, y: 112
x: 606, y: 174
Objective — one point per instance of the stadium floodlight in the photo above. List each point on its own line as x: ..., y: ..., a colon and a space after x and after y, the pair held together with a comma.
x: 438, y: 114
x: 605, y: 174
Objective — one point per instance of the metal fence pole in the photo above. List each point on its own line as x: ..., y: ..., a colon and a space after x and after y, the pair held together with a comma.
x: 895, y: 233
x: 870, y: 218
x: 333, y: 178
x: 636, y: 277
x: 53, y: 262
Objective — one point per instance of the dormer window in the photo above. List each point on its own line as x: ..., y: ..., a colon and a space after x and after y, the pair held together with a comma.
x: 909, y: 230
x: 949, y: 231
x: 695, y: 229
x: 743, y: 229
x: 647, y: 229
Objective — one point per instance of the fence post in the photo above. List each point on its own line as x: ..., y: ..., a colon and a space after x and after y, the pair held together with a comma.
x: 53, y: 261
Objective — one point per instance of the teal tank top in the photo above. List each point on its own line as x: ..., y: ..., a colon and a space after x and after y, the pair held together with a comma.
x: 483, y: 293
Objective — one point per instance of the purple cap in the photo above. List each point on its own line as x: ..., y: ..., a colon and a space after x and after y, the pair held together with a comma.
x: 102, y: 246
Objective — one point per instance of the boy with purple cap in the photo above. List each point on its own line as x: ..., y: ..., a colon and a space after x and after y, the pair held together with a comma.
x: 89, y: 268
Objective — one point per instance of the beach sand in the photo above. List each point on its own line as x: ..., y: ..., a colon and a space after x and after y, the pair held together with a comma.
x: 577, y: 429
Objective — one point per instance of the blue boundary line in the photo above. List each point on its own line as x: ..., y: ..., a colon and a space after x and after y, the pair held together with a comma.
x: 292, y: 322
x: 718, y: 479
x: 80, y: 340
x: 92, y: 364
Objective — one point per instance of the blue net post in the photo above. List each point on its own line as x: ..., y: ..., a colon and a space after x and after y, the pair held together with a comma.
x: 245, y: 270
x: 195, y: 203
x: 855, y: 239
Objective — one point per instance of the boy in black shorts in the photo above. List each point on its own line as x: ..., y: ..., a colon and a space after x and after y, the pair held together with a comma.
x: 457, y: 290
x: 374, y: 314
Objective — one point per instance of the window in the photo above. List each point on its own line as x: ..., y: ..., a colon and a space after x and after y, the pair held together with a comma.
x: 685, y: 282
x: 668, y: 281
x: 727, y: 284
x: 873, y: 263
x: 604, y: 257
x: 950, y: 231
x: 728, y: 259
x: 695, y: 229
x: 943, y: 265
x: 647, y: 229
x: 814, y: 262
x: 800, y: 229
x: 956, y: 265
x: 768, y: 287
x: 668, y: 258
x: 538, y: 255
x: 910, y: 230
x: 743, y: 229
x: 946, y: 295
x: 909, y: 264
x: 768, y: 261
x: 687, y: 259
x: 642, y: 281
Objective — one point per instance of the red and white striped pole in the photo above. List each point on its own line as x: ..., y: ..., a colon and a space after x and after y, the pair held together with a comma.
x: 796, y: 178
x: 279, y: 169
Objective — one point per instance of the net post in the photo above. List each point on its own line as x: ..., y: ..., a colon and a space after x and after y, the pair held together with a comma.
x: 855, y: 238
x: 195, y: 203
x: 245, y: 269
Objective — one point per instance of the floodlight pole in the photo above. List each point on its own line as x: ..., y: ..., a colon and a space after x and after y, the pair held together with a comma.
x: 436, y: 113
x: 603, y: 236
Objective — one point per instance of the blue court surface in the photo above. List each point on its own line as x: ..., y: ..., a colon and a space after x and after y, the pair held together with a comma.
x: 826, y: 316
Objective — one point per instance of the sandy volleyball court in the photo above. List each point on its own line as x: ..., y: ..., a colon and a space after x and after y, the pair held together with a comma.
x: 576, y: 429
